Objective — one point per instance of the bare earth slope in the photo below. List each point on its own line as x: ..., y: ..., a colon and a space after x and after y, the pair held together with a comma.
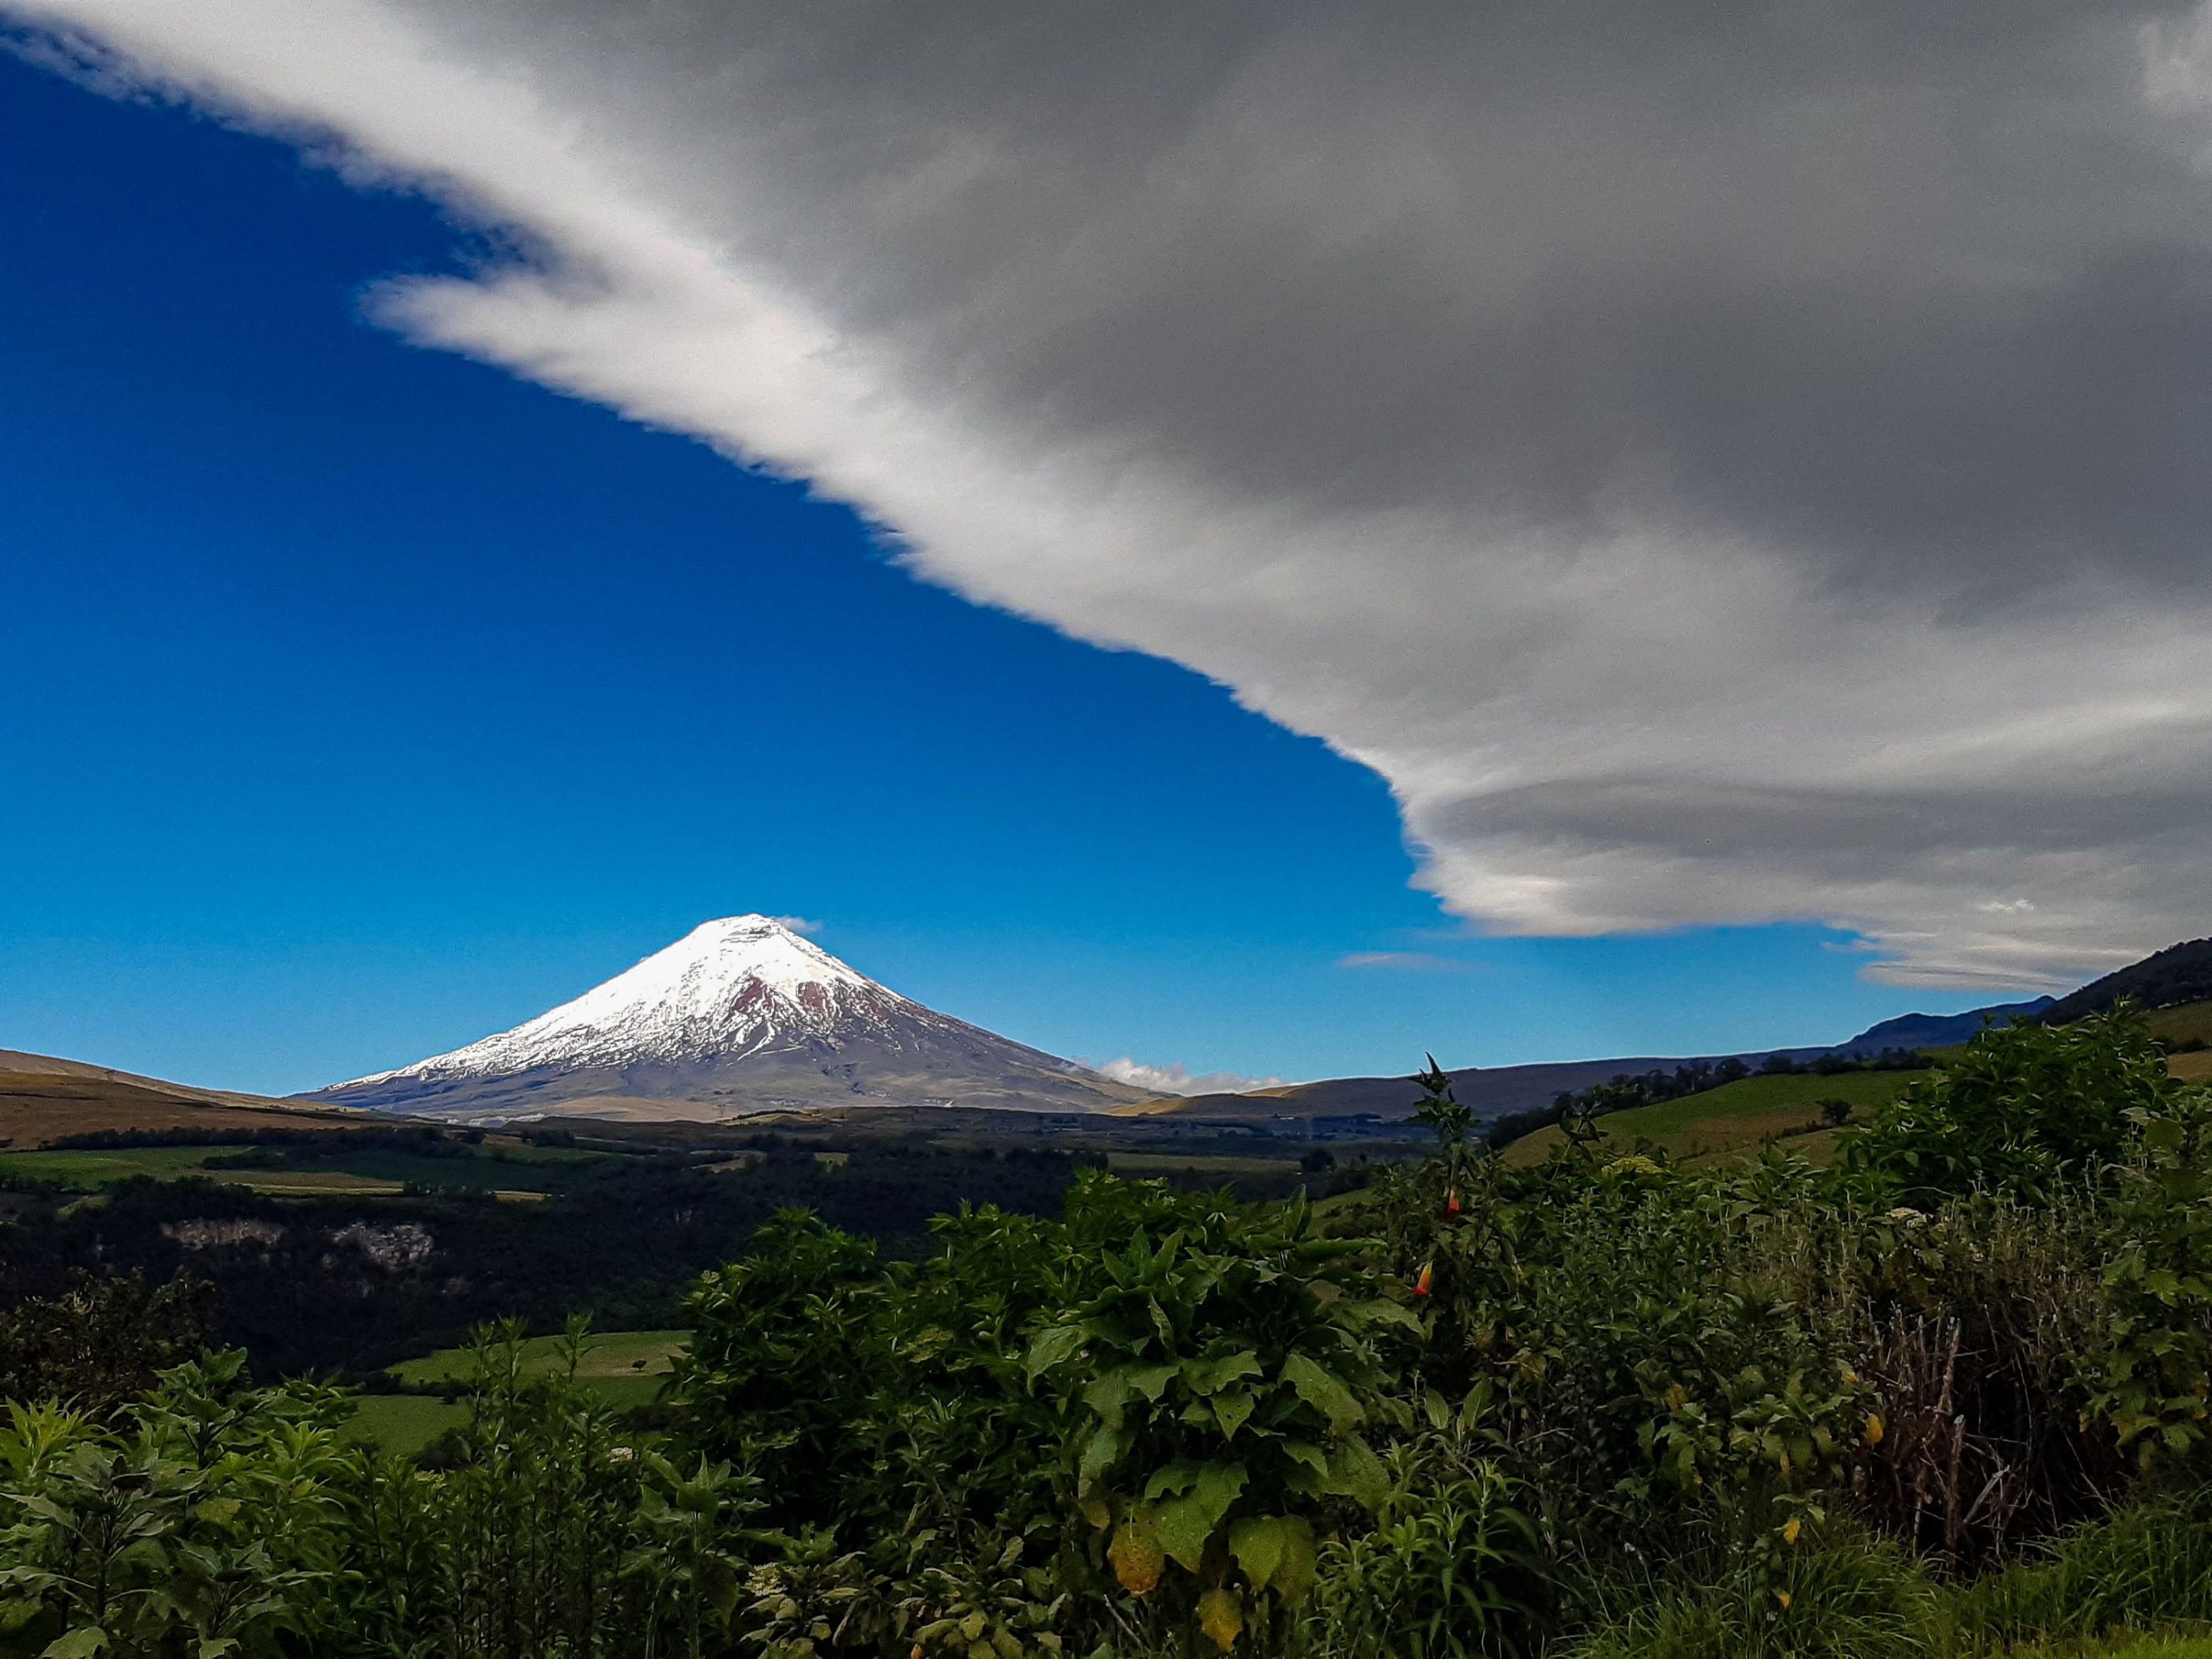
x: 741, y: 1015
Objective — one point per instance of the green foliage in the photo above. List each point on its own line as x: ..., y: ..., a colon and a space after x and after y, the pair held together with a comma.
x: 2143, y: 1566
x: 2156, y: 1370
x: 1605, y: 1407
x: 1453, y: 1568
x: 803, y: 1304
x: 210, y: 1516
x: 2022, y: 1109
x: 102, y: 1341
x: 1227, y: 1380
x: 1846, y: 1596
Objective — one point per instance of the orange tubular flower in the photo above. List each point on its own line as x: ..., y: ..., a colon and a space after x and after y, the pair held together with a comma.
x: 1428, y: 1274
x: 1451, y: 1204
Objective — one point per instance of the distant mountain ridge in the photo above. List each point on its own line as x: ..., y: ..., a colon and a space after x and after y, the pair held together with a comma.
x: 741, y: 1016
x: 1939, y: 1031
x: 1493, y: 1091
x: 2179, y: 973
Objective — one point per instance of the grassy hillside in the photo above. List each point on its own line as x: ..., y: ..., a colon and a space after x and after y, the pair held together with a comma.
x: 2191, y: 1022
x: 626, y: 1367
x: 1735, y: 1120
x: 42, y: 1101
x: 622, y: 1369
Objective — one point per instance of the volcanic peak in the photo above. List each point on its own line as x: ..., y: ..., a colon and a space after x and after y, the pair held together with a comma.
x: 729, y: 988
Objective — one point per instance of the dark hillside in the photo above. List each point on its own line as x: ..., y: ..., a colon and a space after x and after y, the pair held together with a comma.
x: 1939, y: 1030
x: 2180, y: 972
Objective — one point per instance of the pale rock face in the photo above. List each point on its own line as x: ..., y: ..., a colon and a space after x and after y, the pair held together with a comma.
x: 740, y: 1015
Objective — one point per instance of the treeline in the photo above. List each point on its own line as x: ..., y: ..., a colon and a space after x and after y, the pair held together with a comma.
x: 338, y: 1284
x: 1948, y: 1396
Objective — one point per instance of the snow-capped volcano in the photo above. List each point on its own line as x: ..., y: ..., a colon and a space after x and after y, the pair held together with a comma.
x: 741, y: 1015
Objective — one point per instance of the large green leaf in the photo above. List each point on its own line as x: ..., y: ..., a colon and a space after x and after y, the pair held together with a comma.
x: 1106, y: 1446
x: 1188, y: 1521
x: 1054, y: 1346
x: 1177, y: 1476
x: 1209, y: 1377
x: 1151, y: 1381
x: 1109, y: 1392
x: 1356, y: 1473
x: 1232, y: 1409
x: 1276, y: 1552
x: 1325, y: 1392
x: 1381, y: 1310
x: 1257, y: 1543
x: 80, y: 1643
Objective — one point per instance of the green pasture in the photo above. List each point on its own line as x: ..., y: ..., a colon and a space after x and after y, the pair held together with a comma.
x: 1737, y: 1118
x: 87, y: 1171
x: 404, y: 1423
x: 2191, y: 1019
x: 513, y: 1171
x: 622, y: 1369
x: 1228, y: 1166
x: 625, y: 1368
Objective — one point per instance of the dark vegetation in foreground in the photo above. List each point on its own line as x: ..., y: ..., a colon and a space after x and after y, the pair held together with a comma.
x: 1947, y: 1396
x: 351, y: 1284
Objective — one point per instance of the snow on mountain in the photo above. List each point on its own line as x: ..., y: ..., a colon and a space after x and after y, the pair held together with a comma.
x: 741, y: 1015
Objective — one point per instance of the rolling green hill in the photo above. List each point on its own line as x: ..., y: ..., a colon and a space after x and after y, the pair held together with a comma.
x: 623, y: 1368
x: 1735, y: 1120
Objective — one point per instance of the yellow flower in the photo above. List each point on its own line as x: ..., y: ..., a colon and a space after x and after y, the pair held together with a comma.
x: 1783, y: 1597
x: 1789, y: 1530
x: 1874, y: 1429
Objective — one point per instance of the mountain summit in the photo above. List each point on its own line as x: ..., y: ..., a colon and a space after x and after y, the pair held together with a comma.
x: 740, y: 1015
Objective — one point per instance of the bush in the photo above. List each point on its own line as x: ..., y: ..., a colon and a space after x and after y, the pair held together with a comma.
x: 2024, y: 1109
x: 101, y: 1342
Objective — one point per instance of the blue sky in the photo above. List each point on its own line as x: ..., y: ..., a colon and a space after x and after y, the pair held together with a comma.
x: 361, y: 699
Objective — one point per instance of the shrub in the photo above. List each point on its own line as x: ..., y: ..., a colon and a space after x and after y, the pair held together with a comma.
x: 2023, y: 1108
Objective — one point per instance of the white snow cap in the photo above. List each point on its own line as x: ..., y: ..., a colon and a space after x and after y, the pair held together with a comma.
x: 739, y: 986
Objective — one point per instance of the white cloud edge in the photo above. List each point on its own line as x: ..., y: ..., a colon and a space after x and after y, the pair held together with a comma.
x: 643, y: 313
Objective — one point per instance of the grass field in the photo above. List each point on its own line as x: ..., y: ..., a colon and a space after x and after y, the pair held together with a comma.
x: 1735, y: 1120
x: 1227, y: 1167
x: 510, y: 1170
x: 2192, y: 1020
x: 404, y: 1423
x: 626, y: 1367
x: 86, y: 1170
x: 623, y: 1368
x: 2118, y: 1646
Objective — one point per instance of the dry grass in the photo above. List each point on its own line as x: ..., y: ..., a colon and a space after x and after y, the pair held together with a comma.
x: 37, y: 1108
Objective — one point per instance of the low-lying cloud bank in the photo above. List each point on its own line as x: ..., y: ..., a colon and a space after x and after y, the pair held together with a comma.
x: 1720, y: 462
x: 1176, y: 1079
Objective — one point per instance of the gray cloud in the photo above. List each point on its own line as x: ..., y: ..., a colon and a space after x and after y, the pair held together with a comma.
x: 1719, y: 462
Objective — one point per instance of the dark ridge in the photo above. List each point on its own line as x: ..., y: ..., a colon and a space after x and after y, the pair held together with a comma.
x: 2180, y: 972
x: 1941, y: 1030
